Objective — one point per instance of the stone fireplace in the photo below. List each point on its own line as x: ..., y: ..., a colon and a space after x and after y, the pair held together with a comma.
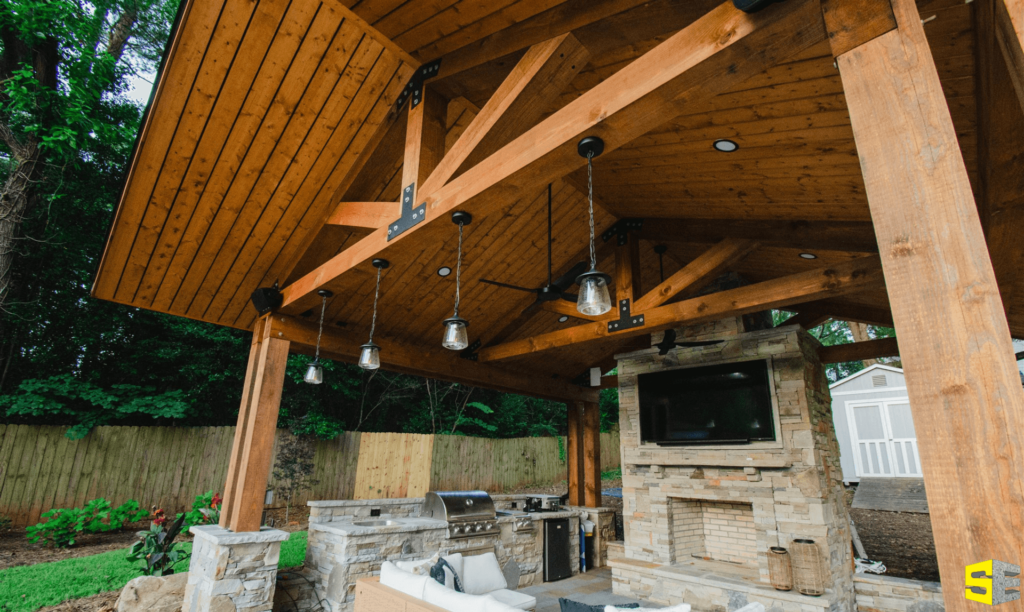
x: 699, y: 520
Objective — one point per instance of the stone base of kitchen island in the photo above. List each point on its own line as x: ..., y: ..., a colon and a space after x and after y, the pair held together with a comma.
x: 232, y: 571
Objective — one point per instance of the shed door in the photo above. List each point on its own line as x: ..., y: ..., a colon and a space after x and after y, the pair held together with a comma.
x: 871, y: 440
x: 903, y: 439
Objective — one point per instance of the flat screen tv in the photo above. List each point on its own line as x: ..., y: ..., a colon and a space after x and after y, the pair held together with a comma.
x: 721, y: 404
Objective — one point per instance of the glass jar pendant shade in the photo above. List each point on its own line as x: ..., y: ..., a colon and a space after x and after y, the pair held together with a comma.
x: 594, y: 298
x: 369, y: 353
x: 456, y: 337
x: 315, y: 370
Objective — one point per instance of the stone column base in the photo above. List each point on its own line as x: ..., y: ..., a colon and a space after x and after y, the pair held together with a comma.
x: 232, y: 571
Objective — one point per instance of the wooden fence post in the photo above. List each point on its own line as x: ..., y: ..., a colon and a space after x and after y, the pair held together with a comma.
x: 964, y: 388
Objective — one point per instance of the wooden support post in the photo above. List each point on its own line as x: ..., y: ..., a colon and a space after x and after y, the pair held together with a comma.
x: 252, y: 452
x: 627, y: 270
x: 592, y: 454
x: 424, y: 140
x: 574, y: 452
x: 954, y: 341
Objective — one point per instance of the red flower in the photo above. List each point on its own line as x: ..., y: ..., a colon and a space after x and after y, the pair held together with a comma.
x: 216, y: 500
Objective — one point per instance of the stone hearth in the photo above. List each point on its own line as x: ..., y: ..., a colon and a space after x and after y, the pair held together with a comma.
x: 699, y: 520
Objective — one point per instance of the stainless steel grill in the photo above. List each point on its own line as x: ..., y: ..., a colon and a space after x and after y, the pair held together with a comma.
x: 468, y: 513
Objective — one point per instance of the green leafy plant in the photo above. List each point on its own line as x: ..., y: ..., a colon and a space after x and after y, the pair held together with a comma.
x: 293, y: 469
x: 156, y: 547
x: 205, y: 510
x: 63, y: 525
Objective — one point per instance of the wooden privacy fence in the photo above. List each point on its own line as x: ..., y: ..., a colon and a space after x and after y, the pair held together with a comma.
x: 41, y: 469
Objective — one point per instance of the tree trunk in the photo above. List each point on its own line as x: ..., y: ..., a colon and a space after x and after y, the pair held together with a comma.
x: 15, y: 200
x: 860, y: 334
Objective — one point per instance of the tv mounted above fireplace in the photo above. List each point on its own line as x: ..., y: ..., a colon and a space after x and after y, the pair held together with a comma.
x: 720, y: 404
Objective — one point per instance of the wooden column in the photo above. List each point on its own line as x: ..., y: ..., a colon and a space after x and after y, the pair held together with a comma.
x: 252, y: 452
x: 954, y: 341
x: 574, y: 452
x: 627, y: 271
x: 591, y: 454
x: 424, y: 140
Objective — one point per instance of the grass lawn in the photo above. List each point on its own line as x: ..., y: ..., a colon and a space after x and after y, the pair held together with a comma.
x: 30, y: 587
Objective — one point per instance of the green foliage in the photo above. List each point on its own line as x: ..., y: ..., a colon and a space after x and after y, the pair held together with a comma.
x: 293, y: 469
x: 205, y: 510
x: 156, y: 548
x: 5, y: 523
x: 63, y: 525
x: 833, y: 332
x: 613, y: 474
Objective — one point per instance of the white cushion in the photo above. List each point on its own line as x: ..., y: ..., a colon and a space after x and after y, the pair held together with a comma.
x: 451, y: 600
x: 481, y: 574
x: 493, y: 604
x: 400, y: 580
x: 675, y: 608
x: 422, y: 567
x: 752, y: 607
x: 515, y: 599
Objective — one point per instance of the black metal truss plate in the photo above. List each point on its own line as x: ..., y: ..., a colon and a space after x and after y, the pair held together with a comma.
x: 626, y: 320
x: 414, y: 88
x: 410, y: 216
x: 470, y: 351
x: 622, y: 228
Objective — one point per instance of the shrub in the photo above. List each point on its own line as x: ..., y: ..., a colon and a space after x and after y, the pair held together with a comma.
x: 156, y: 547
x: 205, y: 510
x: 63, y: 525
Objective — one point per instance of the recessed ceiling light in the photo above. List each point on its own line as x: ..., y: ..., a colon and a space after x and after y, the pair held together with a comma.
x: 808, y: 256
x: 444, y: 271
x: 725, y: 146
x: 563, y: 318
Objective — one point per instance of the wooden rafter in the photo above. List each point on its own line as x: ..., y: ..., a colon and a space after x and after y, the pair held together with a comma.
x: 807, y: 318
x: 523, y: 96
x: 569, y: 309
x: 697, y: 273
x: 429, y: 362
x: 850, y: 236
x: 716, y: 52
x: 1009, y: 32
x: 815, y: 313
x: 849, y: 277
x: 859, y: 351
x: 370, y: 215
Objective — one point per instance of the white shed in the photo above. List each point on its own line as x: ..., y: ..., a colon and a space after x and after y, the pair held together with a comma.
x: 871, y: 413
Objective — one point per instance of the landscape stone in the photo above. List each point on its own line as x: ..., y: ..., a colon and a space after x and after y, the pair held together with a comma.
x: 153, y: 594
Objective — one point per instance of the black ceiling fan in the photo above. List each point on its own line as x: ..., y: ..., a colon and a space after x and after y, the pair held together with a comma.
x: 555, y: 289
x: 669, y: 342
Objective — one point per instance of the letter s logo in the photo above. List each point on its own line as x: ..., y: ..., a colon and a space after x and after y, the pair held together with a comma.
x: 979, y: 582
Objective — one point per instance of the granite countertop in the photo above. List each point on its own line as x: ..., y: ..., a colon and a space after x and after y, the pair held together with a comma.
x: 348, y: 526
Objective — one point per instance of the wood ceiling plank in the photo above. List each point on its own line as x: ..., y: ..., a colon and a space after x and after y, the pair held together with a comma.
x: 830, y: 235
x: 851, y: 24
x: 250, y: 142
x: 693, y: 276
x: 517, y: 104
x: 156, y: 135
x: 686, y: 67
x: 293, y: 220
x: 827, y: 282
x: 451, y: 20
x: 409, y: 15
x: 271, y: 37
x: 229, y: 31
x: 383, y: 165
x: 736, y: 209
x: 286, y: 145
x: 505, y: 17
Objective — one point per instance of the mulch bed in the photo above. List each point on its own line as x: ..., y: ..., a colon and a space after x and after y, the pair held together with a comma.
x: 901, y: 540
x: 104, y: 602
x: 15, y: 548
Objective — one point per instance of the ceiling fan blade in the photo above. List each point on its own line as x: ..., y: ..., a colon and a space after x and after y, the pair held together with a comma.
x: 568, y: 279
x: 507, y: 286
x: 663, y: 348
x: 570, y: 297
x: 529, y: 309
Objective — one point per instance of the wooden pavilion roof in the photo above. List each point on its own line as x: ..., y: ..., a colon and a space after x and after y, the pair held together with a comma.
x: 269, y: 115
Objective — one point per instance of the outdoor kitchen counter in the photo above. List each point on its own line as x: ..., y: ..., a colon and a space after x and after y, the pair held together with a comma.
x: 349, y: 527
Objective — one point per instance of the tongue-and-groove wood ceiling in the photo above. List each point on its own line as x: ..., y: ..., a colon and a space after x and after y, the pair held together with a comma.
x: 267, y: 114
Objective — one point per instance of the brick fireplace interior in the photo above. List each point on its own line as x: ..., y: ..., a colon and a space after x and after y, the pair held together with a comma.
x: 715, y: 531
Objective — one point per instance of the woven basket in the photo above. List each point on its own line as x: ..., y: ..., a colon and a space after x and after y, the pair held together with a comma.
x: 779, y: 568
x: 808, y: 575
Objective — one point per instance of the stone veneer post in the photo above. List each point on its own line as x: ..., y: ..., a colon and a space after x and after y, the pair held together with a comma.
x: 780, y: 491
x: 232, y: 571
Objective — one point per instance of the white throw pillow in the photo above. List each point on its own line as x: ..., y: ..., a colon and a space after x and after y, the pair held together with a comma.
x: 675, y: 608
x: 481, y: 574
x: 406, y: 582
x: 451, y: 600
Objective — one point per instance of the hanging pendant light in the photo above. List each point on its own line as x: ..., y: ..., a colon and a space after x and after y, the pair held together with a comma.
x: 369, y: 353
x: 455, y: 336
x: 594, y: 299
x: 315, y: 371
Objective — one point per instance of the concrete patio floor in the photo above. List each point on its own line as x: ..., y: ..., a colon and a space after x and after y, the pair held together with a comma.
x: 593, y: 587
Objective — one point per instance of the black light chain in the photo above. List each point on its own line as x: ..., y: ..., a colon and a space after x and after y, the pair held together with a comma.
x: 376, y: 294
x: 458, y: 272
x: 323, y: 309
x: 590, y: 202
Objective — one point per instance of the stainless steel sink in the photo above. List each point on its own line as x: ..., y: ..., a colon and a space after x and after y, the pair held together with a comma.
x: 376, y: 523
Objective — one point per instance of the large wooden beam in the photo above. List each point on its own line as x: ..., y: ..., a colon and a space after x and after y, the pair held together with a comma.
x: 808, y: 317
x: 574, y: 452
x: 710, y: 56
x: 371, y: 215
x: 859, y: 351
x: 592, y: 454
x: 822, y: 310
x: 954, y: 342
x: 525, y: 94
x: 252, y: 451
x: 848, y: 277
x: 429, y: 362
x: 694, y: 275
x: 851, y: 236
x: 569, y: 309
x: 424, y: 141
x: 1009, y: 31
